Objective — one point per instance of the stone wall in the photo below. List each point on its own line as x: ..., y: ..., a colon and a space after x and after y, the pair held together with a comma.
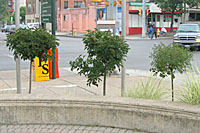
x: 146, y: 115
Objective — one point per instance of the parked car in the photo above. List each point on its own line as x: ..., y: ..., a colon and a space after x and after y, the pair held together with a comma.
x: 188, y: 35
x: 13, y: 29
x: 33, y: 25
x: 6, y: 28
x: 3, y: 29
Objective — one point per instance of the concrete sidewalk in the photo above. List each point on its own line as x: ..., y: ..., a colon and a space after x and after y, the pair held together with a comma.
x: 71, y: 84
x: 129, y: 37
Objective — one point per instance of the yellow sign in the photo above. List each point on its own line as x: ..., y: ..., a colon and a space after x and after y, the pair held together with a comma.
x: 40, y: 70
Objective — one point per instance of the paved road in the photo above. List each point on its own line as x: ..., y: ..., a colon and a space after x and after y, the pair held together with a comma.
x: 60, y: 129
x: 70, y: 48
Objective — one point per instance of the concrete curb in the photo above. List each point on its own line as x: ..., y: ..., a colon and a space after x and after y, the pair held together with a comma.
x: 70, y: 36
x: 146, y: 115
x: 128, y: 38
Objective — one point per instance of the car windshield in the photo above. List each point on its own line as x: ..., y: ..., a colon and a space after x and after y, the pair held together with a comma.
x: 36, y: 25
x: 188, y: 28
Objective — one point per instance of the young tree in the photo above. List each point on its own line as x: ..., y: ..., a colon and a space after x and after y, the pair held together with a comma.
x: 168, y: 59
x: 29, y: 44
x: 170, y: 6
x: 22, y: 13
x: 106, y: 52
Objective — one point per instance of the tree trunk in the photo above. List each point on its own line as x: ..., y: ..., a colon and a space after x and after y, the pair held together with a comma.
x: 172, y: 82
x: 172, y: 22
x: 184, y: 19
x: 30, y: 79
x: 104, y: 84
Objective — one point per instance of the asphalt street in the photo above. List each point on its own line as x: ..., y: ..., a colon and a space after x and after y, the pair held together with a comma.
x: 70, y: 48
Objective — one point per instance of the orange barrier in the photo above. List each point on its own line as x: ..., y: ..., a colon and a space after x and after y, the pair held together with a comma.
x: 50, y: 65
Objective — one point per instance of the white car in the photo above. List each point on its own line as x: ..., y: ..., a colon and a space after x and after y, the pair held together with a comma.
x: 33, y: 25
x: 188, y: 35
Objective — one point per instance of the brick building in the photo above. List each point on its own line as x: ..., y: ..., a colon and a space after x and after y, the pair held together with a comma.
x: 65, y: 4
x: 32, y: 11
x: 76, y: 14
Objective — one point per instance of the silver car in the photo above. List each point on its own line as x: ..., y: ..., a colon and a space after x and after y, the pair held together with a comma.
x: 188, y: 35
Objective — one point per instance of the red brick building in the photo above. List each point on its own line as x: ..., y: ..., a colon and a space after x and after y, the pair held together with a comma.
x: 64, y: 4
x: 32, y: 11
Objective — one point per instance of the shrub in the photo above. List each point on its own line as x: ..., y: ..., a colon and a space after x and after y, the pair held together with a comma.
x: 191, y: 92
x: 149, y: 89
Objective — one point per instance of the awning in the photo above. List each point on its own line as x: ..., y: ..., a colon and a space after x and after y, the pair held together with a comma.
x: 133, y: 11
x: 154, y: 8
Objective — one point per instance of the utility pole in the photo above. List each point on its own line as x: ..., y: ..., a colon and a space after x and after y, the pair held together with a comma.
x: 18, y: 69
x: 184, y: 13
x: 123, y: 72
x: 53, y: 33
x: 143, y: 18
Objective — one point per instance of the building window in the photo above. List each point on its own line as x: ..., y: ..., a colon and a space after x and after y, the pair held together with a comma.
x: 194, y: 17
x: 167, y: 18
x: 77, y: 4
x: 65, y: 4
x: 28, y: 21
x: 158, y: 18
x: 94, y: 3
x: 34, y: 7
x: 29, y: 8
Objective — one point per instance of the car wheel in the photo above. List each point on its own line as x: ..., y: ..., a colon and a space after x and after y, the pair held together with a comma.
x: 194, y: 48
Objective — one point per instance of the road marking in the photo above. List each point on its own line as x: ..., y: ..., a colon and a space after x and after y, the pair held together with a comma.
x: 10, y: 89
x: 11, y: 56
x: 65, y: 86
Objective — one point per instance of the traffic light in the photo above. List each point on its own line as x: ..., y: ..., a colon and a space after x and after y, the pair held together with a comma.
x: 103, y: 3
x: 107, y: 3
x: 147, y: 12
x: 140, y: 12
x: 115, y: 3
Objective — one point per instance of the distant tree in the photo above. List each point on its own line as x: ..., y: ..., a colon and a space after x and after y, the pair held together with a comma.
x: 106, y: 52
x: 170, y: 6
x: 3, y: 9
x: 22, y: 13
x: 29, y: 44
x: 168, y: 59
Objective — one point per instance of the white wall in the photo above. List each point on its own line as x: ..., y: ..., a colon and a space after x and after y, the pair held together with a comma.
x: 135, y: 20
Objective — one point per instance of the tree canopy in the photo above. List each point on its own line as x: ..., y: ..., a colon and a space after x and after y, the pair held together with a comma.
x: 3, y: 9
x: 166, y: 59
x: 22, y: 13
x: 28, y: 44
x: 175, y: 5
x: 106, y: 52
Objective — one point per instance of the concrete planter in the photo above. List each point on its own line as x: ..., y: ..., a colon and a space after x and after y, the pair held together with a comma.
x: 146, y: 115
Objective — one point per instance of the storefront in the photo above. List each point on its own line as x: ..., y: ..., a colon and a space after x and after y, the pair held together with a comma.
x: 153, y: 14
